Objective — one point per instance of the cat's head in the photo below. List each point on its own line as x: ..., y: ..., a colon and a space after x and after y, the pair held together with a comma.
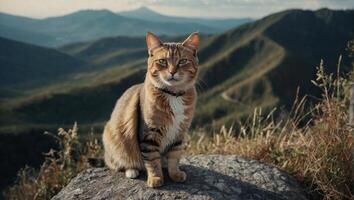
x: 172, y: 65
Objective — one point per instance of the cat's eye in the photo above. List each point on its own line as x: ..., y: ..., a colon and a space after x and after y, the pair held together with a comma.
x: 162, y: 62
x: 182, y: 62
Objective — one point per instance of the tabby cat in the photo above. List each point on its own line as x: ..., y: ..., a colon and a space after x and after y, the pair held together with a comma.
x: 150, y: 119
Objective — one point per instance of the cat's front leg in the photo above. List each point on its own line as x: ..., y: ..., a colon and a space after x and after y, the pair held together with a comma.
x: 173, y: 156
x: 149, y: 148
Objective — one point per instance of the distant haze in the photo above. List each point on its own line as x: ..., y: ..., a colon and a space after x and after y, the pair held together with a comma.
x: 196, y: 8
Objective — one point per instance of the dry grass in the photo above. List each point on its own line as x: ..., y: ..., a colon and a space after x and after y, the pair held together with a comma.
x: 58, y: 168
x: 314, y: 144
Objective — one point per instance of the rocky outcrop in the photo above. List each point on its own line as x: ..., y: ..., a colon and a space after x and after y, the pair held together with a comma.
x: 209, y: 177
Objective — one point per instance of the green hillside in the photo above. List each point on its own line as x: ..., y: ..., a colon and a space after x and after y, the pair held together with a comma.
x: 267, y: 60
x: 24, y: 66
x: 258, y: 64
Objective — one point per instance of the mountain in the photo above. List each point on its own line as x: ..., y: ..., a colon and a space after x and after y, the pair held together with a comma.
x: 89, y: 25
x: 19, y: 28
x: 23, y: 65
x: 148, y: 14
x: 145, y: 13
x: 26, y: 36
x: 259, y: 64
x: 16, y: 21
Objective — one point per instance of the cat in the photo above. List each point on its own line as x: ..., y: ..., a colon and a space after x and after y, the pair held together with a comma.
x: 150, y: 120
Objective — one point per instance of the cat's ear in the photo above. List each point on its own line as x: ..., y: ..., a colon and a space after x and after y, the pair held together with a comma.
x: 192, y: 41
x: 152, y: 41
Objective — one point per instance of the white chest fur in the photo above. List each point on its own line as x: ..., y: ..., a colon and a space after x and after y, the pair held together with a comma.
x: 177, y: 107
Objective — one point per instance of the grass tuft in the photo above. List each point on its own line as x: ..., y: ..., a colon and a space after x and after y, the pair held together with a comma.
x: 59, y: 167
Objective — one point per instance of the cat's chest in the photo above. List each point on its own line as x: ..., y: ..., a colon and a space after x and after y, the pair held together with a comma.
x: 173, y: 129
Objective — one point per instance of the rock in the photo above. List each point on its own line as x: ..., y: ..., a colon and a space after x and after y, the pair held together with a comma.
x: 209, y: 177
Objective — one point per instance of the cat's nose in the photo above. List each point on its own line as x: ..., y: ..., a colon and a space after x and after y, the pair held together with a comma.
x: 172, y: 72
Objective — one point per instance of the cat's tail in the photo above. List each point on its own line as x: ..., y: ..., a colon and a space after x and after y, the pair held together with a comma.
x: 120, y: 135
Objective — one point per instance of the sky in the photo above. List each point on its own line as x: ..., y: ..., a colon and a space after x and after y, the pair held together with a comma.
x: 195, y: 8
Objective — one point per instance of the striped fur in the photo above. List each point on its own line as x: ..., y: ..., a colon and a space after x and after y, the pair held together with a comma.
x: 149, y: 120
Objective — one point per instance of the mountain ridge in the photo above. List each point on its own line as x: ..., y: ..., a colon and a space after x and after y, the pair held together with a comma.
x: 220, y: 23
x: 86, y: 25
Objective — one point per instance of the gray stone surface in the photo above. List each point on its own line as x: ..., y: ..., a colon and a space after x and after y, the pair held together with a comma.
x: 209, y: 177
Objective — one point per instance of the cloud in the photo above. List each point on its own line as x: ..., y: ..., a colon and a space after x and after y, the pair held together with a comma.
x: 244, y: 8
x: 246, y: 3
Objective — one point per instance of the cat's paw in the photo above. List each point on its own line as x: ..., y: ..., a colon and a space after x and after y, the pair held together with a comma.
x: 131, y: 173
x: 154, y: 181
x: 178, y: 176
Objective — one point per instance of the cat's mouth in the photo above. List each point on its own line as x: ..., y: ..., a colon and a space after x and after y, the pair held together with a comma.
x: 172, y: 79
